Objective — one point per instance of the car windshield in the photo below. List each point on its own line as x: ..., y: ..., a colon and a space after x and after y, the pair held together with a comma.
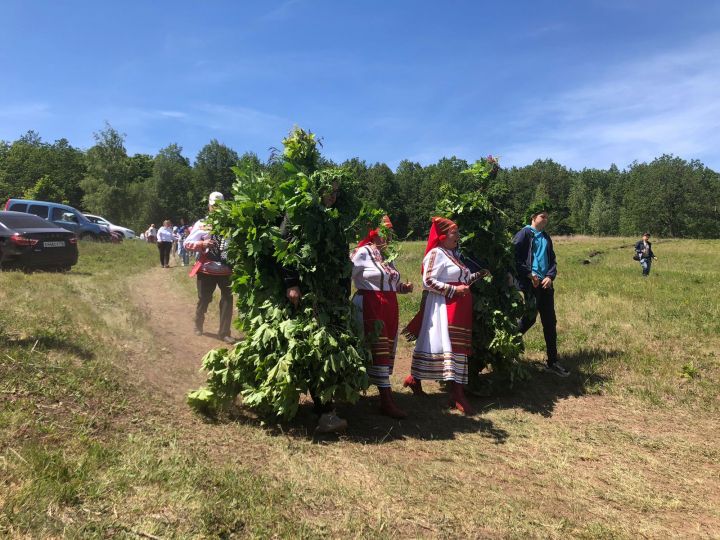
x: 15, y: 220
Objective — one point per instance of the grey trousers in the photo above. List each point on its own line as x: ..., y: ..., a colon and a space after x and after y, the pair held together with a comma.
x: 206, y: 284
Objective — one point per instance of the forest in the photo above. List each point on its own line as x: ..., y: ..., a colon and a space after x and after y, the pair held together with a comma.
x: 669, y: 196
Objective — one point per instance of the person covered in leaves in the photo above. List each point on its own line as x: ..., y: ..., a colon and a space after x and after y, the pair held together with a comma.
x: 378, y: 282
x: 443, y: 327
x: 536, y: 271
x: 212, y: 270
x: 328, y: 419
x: 288, y: 251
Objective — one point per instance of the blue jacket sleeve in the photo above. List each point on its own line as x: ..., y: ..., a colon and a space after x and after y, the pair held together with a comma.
x: 552, y: 261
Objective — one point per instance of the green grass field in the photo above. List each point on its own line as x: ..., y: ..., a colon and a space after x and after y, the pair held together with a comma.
x: 628, y: 446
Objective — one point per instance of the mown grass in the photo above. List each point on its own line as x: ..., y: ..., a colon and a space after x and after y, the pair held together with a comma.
x: 80, y: 455
x: 625, y: 447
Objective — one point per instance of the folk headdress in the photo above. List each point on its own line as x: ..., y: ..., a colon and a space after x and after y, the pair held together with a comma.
x: 385, y: 225
x: 438, y: 232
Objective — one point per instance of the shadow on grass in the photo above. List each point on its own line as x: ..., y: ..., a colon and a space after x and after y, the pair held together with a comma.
x: 429, y: 417
x: 44, y: 342
x: 543, y: 390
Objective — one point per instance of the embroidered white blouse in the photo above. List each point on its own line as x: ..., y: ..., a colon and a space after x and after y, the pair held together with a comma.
x: 441, y: 268
x: 372, y: 273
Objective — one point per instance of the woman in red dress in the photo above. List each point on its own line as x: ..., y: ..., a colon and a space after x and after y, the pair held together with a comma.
x: 378, y: 282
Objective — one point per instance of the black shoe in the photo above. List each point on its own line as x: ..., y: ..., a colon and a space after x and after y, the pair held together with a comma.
x: 198, y: 332
x: 228, y: 339
x: 557, y: 369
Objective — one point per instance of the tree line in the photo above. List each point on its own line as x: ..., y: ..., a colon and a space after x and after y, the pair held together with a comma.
x: 669, y: 196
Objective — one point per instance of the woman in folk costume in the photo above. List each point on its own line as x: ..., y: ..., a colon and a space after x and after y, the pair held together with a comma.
x: 443, y: 327
x: 378, y: 282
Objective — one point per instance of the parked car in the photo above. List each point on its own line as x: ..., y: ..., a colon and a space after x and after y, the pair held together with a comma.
x: 127, y: 233
x: 63, y: 216
x: 28, y: 241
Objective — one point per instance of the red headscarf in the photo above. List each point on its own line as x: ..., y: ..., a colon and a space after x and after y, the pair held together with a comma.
x: 374, y: 233
x: 438, y: 232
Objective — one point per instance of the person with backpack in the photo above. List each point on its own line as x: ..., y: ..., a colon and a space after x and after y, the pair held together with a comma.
x: 644, y: 254
x: 212, y: 270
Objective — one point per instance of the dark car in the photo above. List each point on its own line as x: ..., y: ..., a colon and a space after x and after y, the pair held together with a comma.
x: 28, y: 241
x: 62, y: 215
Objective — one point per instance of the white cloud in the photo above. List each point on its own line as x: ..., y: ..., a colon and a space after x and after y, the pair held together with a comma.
x: 209, y: 116
x: 239, y: 119
x: 172, y: 114
x: 637, y: 110
x: 25, y: 110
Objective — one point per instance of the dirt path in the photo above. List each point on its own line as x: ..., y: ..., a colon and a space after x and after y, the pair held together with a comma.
x: 170, y: 316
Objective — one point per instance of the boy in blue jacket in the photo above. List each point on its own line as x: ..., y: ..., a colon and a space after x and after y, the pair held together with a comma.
x: 537, y: 268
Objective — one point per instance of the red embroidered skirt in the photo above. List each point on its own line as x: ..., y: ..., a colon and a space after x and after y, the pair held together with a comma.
x: 459, y: 314
x: 444, y: 339
x: 381, y: 306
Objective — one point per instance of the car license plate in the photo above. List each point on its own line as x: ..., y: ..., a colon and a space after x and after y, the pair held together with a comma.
x: 53, y: 244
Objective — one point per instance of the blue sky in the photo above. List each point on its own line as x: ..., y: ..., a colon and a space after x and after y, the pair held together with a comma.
x: 585, y: 82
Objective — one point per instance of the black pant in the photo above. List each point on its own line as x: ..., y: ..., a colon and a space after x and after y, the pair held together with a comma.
x: 319, y: 407
x: 206, y: 284
x: 164, y: 249
x: 545, y: 305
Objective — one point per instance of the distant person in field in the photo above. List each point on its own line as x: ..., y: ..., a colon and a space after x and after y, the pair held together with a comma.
x: 165, y: 239
x: 644, y: 254
x: 378, y: 283
x: 151, y: 234
x: 182, y: 232
x: 212, y: 271
x: 176, y: 238
x: 537, y: 269
x: 443, y: 326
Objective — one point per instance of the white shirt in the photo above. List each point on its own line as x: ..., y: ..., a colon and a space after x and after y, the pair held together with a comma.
x: 165, y: 234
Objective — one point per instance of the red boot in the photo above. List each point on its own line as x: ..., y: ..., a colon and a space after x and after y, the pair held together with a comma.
x: 415, y: 385
x: 387, y: 405
x: 459, y: 401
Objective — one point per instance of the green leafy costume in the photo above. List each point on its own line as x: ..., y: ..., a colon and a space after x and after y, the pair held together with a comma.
x: 288, y: 351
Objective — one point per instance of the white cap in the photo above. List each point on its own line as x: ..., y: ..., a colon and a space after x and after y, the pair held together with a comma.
x: 214, y: 197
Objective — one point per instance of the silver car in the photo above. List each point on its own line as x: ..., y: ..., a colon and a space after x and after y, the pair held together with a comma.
x: 127, y: 233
